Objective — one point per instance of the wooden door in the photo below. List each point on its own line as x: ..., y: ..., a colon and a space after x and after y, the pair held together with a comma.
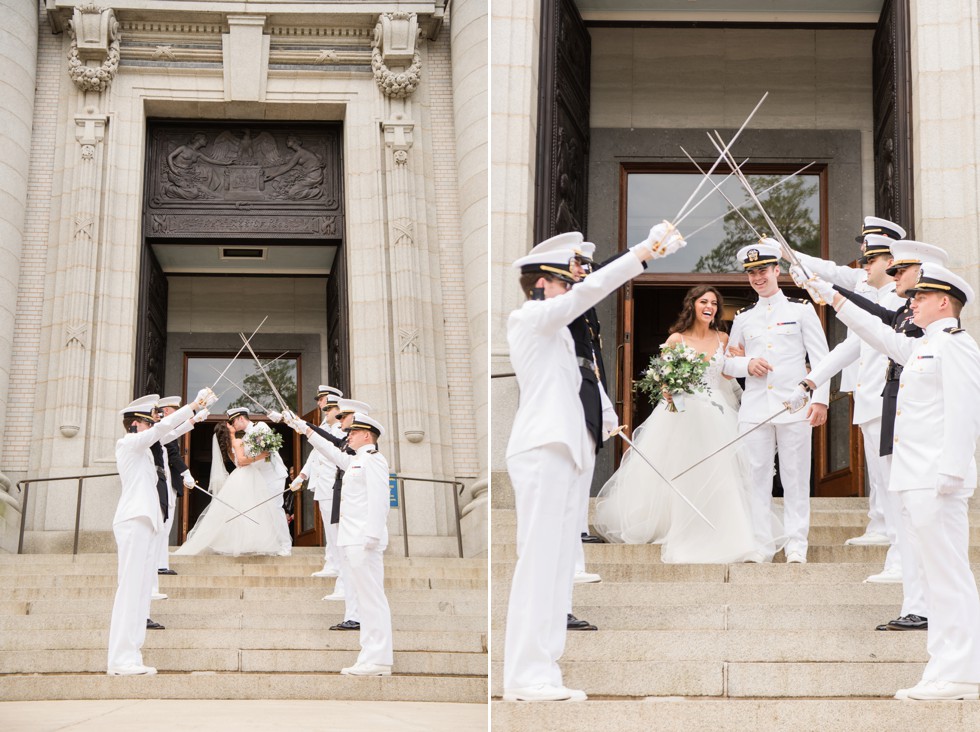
x: 151, y: 327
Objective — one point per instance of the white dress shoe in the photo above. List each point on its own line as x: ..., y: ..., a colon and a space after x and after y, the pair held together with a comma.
x: 366, y: 669
x: 582, y: 578
x: 284, y: 552
x: 944, y: 691
x: 796, y: 558
x: 890, y: 576
x: 755, y: 558
x: 541, y: 692
x: 132, y: 671
x: 334, y: 596
x: 326, y: 572
x: 158, y: 596
x: 870, y: 539
x: 576, y: 694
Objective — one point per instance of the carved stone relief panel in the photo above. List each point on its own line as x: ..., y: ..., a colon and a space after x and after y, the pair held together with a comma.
x: 243, y: 179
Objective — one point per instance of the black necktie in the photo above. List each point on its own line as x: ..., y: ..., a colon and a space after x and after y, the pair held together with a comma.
x: 337, y: 485
x: 157, y: 449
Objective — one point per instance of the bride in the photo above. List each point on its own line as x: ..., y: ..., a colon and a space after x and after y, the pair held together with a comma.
x: 243, y: 488
x: 637, y: 507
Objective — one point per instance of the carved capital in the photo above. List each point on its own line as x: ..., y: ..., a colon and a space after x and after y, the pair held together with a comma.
x: 398, y: 136
x: 395, y: 39
x: 93, y: 57
x: 89, y: 132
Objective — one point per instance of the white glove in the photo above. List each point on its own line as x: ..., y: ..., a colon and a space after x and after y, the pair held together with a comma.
x: 947, y: 485
x: 799, y: 277
x: 820, y: 291
x: 200, y: 416
x: 297, y: 483
x: 798, y: 399
x: 298, y: 425
x: 286, y: 416
x: 188, y: 479
x: 371, y: 543
x: 275, y: 417
x: 663, y: 240
x: 205, y: 397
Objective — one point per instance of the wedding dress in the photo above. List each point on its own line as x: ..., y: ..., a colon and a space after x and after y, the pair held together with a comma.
x: 243, y: 488
x: 635, y: 506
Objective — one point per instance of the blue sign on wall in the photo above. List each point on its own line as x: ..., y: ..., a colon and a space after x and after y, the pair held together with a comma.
x: 392, y: 490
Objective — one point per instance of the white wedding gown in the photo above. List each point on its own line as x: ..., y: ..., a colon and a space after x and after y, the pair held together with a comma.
x: 215, y: 534
x: 635, y: 506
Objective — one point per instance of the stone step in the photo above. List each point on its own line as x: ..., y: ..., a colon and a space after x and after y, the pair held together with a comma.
x: 179, y: 582
x: 305, y: 556
x: 721, y: 679
x: 402, y: 604
x: 398, y: 687
x: 297, y: 572
x: 418, y: 588
x: 714, y: 715
x: 723, y: 617
x: 328, y: 614
x: 257, y: 660
x: 298, y: 638
x: 740, y: 646
x: 823, y: 595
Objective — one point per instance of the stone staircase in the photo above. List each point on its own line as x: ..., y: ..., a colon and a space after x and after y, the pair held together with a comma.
x: 736, y: 647
x: 240, y: 628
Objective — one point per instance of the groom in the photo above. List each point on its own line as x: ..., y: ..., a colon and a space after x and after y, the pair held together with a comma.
x: 778, y: 335
x: 274, y: 472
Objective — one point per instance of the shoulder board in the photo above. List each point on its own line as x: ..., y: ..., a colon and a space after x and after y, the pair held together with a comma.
x: 371, y: 452
x: 953, y: 330
x: 747, y: 307
x: 799, y: 300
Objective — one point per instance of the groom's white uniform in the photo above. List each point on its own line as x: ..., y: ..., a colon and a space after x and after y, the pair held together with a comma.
x: 784, y: 332
x: 274, y: 472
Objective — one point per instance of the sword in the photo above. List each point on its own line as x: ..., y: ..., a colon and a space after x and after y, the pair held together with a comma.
x: 704, y: 198
x: 238, y: 386
x: 718, y: 188
x: 239, y: 351
x: 720, y: 158
x: 732, y: 442
x: 620, y: 431
x: 746, y: 203
x: 215, y: 498
x: 272, y: 386
x: 260, y: 503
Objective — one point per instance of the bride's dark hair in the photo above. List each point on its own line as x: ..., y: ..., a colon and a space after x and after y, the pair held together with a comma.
x: 686, y: 317
x: 224, y: 441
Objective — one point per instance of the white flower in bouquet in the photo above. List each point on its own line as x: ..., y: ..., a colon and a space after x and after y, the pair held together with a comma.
x: 677, y: 370
x: 261, y: 439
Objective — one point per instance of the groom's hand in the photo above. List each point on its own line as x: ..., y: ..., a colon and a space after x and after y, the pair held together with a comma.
x: 759, y: 367
x: 817, y: 414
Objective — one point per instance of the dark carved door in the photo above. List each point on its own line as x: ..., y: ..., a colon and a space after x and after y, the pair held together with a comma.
x: 151, y: 330
x: 338, y: 354
x: 563, y: 121
x: 891, y: 69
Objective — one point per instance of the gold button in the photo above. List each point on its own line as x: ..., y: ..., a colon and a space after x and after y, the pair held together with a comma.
x: 770, y: 386
x: 896, y: 440
x: 859, y: 385
x: 898, y: 412
x: 770, y: 327
x: 901, y: 386
x: 769, y: 345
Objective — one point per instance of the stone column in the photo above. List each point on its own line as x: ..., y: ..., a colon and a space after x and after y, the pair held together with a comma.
x: 92, y: 63
x: 513, y: 123
x: 397, y: 67
x: 18, y: 58
x: 468, y: 44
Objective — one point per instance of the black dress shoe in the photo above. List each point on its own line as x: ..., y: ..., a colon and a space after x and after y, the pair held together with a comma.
x: 590, y: 539
x: 574, y: 623
x: 909, y: 622
x: 346, y: 625
x: 165, y: 571
x: 153, y: 625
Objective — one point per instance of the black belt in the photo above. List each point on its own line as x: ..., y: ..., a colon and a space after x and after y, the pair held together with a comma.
x: 335, y: 508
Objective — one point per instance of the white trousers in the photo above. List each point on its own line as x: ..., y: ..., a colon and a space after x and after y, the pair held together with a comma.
x: 331, y: 558
x: 336, y: 557
x: 549, y: 522
x: 792, y: 441
x: 163, y: 548
x: 277, y: 515
x: 884, y: 511
x: 914, y: 598
x: 585, y: 486
x: 939, y: 528
x: 136, y: 544
x: 367, y: 577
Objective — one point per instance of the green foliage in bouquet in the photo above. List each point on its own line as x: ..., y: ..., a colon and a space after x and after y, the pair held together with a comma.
x: 262, y: 439
x: 678, y: 369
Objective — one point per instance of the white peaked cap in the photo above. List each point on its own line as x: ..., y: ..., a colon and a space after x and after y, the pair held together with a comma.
x: 767, y: 251
x: 935, y: 278
x: 144, y: 404
x: 170, y: 401
x: 907, y: 251
x: 875, y: 225
x: 363, y: 422
x: 352, y: 405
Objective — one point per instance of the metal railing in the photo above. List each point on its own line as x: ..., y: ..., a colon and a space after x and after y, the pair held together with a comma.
x: 25, y: 485
x: 78, y: 503
x: 403, y: 510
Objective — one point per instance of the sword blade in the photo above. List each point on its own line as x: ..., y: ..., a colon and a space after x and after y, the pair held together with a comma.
x: 265, y: 373
x: 653, y: 467
x: 720, y: 157
x: 730, y: 443
x: 704, y: 198
x: 215, y: 498
x: 260, y: 503
x: 746, y: 203
x: 724, y: 195
x: 239, y: 351
x: 239, y: 387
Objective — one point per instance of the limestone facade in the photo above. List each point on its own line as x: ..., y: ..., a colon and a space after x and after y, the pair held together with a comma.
x: 386, y: 71
x: 682, y: 78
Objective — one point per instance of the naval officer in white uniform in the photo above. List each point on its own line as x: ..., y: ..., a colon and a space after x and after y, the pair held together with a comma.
x: 937, y: 425
x: 777, y: 334
x: 549, y: 448
x: 138, y: 521
x: 363, y: 534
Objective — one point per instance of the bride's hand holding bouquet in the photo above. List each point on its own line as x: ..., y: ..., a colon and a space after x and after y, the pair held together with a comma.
x: 678, y: 370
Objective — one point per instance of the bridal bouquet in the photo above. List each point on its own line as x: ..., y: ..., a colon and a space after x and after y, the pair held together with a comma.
x: 679, y: 369
x: 262, y: 439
